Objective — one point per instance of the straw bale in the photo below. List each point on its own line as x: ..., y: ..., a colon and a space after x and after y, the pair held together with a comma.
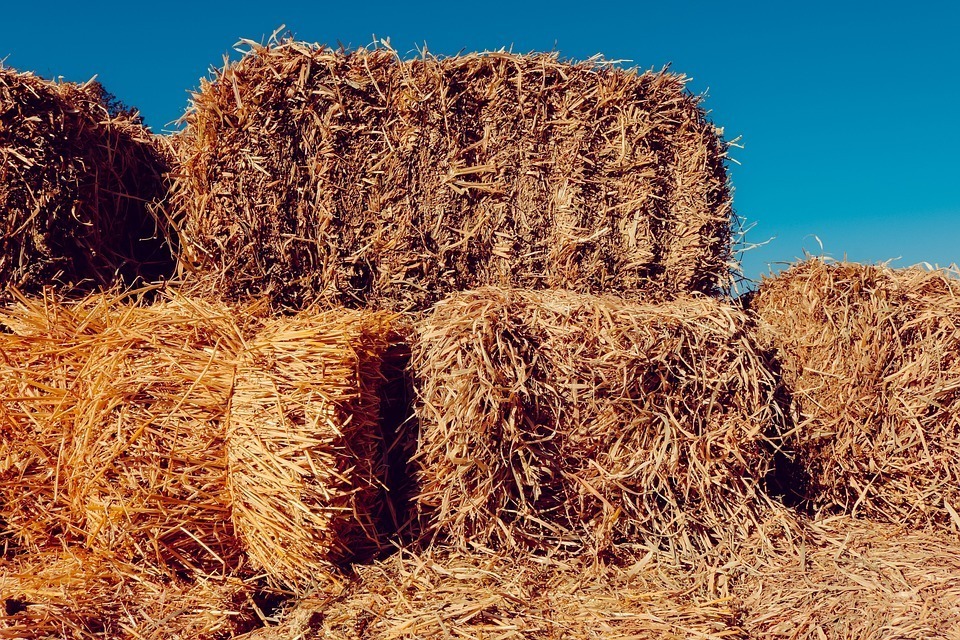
x: 444, y: 594
x: 871, y: 356
x: 556, y: 418
x: 113, y: 421
x: 77, y: 175
x: 358, y: 178
x: 846, y: 579
x: 77, y: 594
x: 304, y: 443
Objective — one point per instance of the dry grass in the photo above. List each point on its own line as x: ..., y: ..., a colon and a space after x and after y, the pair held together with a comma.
x: 561, y: 419
x: 844, y: 579
x: 306, y: 452
x: 359, y: 179
x: 872, y: 357
x: 77, y: 173
x: 446, y: 594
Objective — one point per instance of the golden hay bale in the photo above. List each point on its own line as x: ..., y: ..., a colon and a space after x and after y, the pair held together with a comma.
x: 77, y: 594
x: 845, y: 579
x: 305, y: 448
x: 77, y: 173
x: 560, y: 418
x: 444, y: 594
x: 871, y: 356
x: 360, y: 179
x: 113, y: 428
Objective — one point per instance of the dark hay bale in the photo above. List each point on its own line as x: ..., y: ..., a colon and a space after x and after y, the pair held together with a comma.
x: 871, y: 356
x: 78, y: 174
x: 359, y: 179
x: 561, y: 419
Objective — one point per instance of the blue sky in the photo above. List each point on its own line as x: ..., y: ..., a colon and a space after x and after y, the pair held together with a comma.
x: 848, y: 115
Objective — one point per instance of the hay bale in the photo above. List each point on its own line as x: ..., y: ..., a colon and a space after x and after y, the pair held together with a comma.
x: 304, y: 443
x: 114, y: 429
x: 555, y: 418
x: 77, y: 175
x: 77, y: 594
x: 846, y: 578
x: 445, y: 594
x: 871, y: 356
x: 359, y: 179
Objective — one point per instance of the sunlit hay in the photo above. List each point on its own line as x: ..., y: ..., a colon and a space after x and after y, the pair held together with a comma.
x: 78, y: 174
x: 560, y: 419
x: 871, y: 356
x: 305, y: 447
x: 844, y: 578
x: 113, y: 421
x: 76, y: 594
x: 359, y: 179
x: 449, y: 594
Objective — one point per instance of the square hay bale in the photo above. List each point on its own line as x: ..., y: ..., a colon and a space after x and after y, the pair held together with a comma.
x: 844, y: 579
x: 187, y: 436
x: 78, y: 174
x: 307, y: 462
x: 75, y: 594
x: 871, y: 356
x: 443, y: 593
x: 360, y: 179
x: 557, y: 419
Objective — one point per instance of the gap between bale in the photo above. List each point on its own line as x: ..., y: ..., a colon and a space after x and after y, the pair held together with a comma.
x: 555, y: 419
x: 360, y: 179
x: 79, y: 178
x: 872, y: 357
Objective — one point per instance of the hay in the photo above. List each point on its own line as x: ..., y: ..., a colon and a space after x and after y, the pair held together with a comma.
x: 76, y: 594
x: 444, y: 594
x: 553, y: 419
x: 846, y: 579
x: 872, y: 357
x: 185, y: 435
x: 359, y: 179
x: 306, y: 452
x: 77, y: 173
x: 113, y: 428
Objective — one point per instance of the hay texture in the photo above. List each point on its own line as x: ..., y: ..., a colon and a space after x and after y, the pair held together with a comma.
x: 846, y: 579
x: 305, y: 447
x: 871, y: 356
x: 360, y: 179
x: 154, y: 433
x: 444, y: 594
x: 74, y: 594
x: 77, y: 176
x: 555, y: 418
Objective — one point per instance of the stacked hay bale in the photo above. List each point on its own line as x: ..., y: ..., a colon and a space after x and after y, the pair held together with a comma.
x: 77, y: 176
x: 556, y: 419
x: 359, y: 179
x: 170, y: 440
x: 872, y: 358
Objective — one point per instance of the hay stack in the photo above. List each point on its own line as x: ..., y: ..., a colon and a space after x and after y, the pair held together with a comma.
x: 113, y: 421
x: 872, y: 357
x: 77, y: 173
x: 555, y: 418
x: 306, y: 453
x: 359, y: 179
x: 444, y: 594
x: 78, y: 595
x: 846, y: 579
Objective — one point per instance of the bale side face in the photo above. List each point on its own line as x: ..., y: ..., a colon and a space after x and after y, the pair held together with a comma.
x: 305, y: 449
x: 871, y: 356
x: 553, y: 419
x: 359, y: 179
x: 77, y: 176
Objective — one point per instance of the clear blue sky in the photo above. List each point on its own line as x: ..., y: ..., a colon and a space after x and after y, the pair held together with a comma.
x: 849, y: 117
